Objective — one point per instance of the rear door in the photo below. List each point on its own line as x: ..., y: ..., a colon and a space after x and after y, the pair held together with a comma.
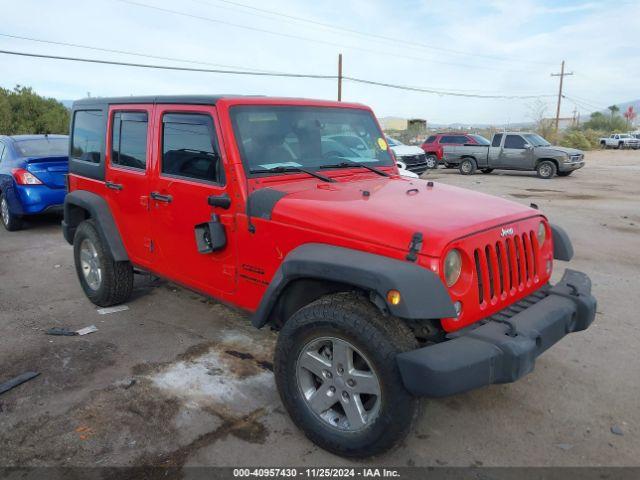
x: 188, y: 170
x: 129, y: 149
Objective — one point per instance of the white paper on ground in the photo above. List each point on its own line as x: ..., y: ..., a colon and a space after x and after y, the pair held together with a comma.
x: 117, y: 308
x: 85, y: 330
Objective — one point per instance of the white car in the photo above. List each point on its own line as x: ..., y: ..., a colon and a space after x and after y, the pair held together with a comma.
x: 413, y: 157
x: 402, y: 170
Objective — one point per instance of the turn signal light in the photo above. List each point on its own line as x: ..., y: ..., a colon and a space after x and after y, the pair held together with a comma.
x: 25, y: 178
x: 393, y: 297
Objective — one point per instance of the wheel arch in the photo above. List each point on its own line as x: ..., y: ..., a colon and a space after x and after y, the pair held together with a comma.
x: 313, y: 270
x: 81, y: 205
x: 547, y: 159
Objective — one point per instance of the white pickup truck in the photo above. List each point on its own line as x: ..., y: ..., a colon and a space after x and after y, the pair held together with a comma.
x: 620, y: 140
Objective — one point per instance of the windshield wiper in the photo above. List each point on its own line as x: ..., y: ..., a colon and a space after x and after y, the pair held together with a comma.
x: 293, y: 169
x: 350, y: 163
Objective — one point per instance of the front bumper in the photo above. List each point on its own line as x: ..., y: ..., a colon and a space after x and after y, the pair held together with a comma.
x: 504, y: 347
x: 570, y: 166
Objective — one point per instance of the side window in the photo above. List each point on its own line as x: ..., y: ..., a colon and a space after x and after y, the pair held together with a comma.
x: 461, y: 139
x: 448, y: 139
x: 497, y: 138
x: 129, y: 139
x: 431, y: 139
x: 2, y: 149
x: 87, y: 135
x: 514, y: 141
x: 189, y: 147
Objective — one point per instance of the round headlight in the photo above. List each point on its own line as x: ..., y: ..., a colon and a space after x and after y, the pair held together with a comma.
x: 452, y: 267
x: 542, y: 233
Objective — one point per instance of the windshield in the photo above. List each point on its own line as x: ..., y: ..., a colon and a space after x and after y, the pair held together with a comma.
x: 480, y: 139
x: 43, y: 147
x: 306, y: 137
x: 535, y: 140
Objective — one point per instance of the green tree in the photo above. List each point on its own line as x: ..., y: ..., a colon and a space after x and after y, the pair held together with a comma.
x: 613, y: 109
x: 605, y: 124
x: 23, y: 111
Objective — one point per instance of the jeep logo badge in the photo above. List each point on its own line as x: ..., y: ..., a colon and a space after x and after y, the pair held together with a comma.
x: 506, y: 231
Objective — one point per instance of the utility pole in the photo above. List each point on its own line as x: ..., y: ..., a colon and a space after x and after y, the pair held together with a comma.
x: 561, y: 75
x: 339, y: 77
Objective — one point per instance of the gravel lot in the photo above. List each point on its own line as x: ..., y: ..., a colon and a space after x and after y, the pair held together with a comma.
x: 181, y: 380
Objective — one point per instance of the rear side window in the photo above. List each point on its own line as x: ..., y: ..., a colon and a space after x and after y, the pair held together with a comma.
x: 189, y: 147
x: 453, y: 139
x: 431, y: 139
x: 2, y: 150
x: 514, y: 141
x: 497, y: 138
x: 87, y: 135
x: 129, y: 139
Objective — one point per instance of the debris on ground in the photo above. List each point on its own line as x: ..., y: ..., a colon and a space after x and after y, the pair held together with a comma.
x: 117, y: 308
x: 65, y: 332
x: 564, y: 446
x: 616, y: 430
x: 85, y: 330
x: 14, y: 382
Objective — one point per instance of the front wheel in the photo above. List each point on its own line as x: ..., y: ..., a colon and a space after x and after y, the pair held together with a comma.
x: 338, y: 378
x: 104, y: 281
x: 546, y: 169
x: 432, y: 161
x: 10, y: 221
x: 467, y: 166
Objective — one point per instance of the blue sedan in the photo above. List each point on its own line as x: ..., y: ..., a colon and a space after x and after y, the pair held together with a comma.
x: 32, y: 176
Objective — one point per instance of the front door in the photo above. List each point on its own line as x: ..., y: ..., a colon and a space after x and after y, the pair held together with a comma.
x: 128, y: 152
x: 188, y: 172
x: 515, y: 155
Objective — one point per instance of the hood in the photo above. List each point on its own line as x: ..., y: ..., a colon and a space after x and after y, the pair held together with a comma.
x: 404, y: 150
x: 554, y: 150
x: 393, y: 211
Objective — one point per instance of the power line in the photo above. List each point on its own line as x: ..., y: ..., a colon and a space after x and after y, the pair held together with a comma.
x: 267, y: 74
x: 366, y: 34
x: 308, y: 39
x: 125, y: 52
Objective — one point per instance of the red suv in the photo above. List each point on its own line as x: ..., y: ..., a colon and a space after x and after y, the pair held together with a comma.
x: 382, y: 288
x: 435, y: 145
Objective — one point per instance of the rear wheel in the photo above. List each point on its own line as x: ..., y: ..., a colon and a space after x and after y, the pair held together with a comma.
x: 10, y: 221
x: 546, y: 169
x: 338, y: 378
x: 432, y: 161
x: 467, y: 166
x: 104, y: 281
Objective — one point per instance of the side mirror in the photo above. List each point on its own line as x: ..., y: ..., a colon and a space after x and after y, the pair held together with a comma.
x: 527, y: 146
x: 210, y: 236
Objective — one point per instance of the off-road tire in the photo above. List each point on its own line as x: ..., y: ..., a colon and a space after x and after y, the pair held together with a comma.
x: 564, y: 174
x: 432, y: 162
x: 487, y: 170
x: 11, y: 222
x: 351, y: 317
x: 546, y: 169
x: 603, y: 145
x: 117, y: 277
x: 468, y: 166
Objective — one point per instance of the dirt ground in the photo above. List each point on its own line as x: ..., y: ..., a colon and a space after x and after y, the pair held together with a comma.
x: 181, y: 380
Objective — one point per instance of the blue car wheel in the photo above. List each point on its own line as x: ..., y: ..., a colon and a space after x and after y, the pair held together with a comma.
x: 10, y: 221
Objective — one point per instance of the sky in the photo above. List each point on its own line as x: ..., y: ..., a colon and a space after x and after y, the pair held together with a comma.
x: 495, y: 47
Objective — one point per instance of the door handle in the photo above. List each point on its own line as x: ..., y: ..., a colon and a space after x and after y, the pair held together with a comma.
x: 113, y: 186
x: 161, y: 198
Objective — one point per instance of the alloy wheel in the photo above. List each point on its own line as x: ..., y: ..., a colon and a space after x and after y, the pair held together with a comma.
x: 90, y: 263
x: 338, y: 384
x: 4, y: 211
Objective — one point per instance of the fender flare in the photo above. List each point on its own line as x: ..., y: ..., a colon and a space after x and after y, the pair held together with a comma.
x: 99, y: 211
x: 423, y: 294
x: 562, y: 246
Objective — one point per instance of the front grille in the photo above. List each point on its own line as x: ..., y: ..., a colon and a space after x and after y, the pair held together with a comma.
x: 413, y: 159
x: 576, y: 158
x: 505, y: 267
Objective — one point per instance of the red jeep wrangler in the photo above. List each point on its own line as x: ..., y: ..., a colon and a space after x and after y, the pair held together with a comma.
x: 383, y: 288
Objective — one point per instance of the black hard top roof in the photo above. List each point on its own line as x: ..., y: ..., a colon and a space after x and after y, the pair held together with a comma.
x: 177, y: 99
